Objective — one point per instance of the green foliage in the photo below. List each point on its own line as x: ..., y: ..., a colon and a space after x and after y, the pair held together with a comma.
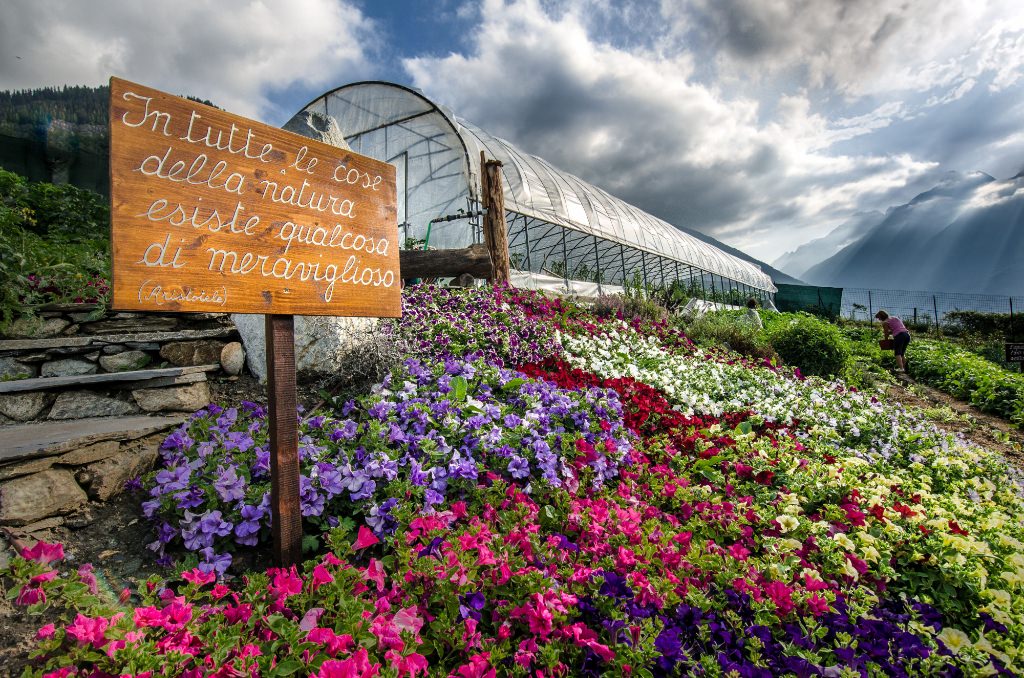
x: 871, y: 363
x: 969, y: 377
x: 816, y: 346
x: 985, y: 325
x: 732, y: 330
x: 53, y: 245
x: 75, y: 104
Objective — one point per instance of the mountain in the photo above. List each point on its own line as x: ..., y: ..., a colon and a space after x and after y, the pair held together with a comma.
x: 776, y: 275
x: 963, y: 235
x: 804, y: 257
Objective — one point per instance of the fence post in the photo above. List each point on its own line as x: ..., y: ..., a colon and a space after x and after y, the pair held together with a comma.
x: 935, y: 307
x: 871, y: 310
x: 1013, y: 334
x: 915, y: 315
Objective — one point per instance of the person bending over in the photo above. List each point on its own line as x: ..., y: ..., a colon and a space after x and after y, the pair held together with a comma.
x: 894, y: 327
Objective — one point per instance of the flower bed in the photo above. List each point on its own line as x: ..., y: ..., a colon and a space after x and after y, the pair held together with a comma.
x: 635, y: 506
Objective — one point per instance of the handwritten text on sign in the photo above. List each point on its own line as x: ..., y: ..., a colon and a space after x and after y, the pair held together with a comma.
x: 214, y: 212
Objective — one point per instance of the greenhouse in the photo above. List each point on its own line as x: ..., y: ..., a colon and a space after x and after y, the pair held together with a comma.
x: 563, y: 232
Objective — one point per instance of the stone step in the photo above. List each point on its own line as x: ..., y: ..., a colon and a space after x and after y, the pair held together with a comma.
x: 14, y: 346
x: 52, y: 438
x: 133, y: 378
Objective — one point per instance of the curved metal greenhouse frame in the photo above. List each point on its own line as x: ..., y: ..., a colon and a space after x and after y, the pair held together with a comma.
x: 559, y: 225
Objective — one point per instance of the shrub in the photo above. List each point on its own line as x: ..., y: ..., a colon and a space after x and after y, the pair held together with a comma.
x: 53, y: 245
x: 815, y: 346
x: 982, y: 324
x: 610, y: 306
x: 644, y: 309
x: 731, y: 330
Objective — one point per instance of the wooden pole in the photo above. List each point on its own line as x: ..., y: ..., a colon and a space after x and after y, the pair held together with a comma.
x: 495, y: 228
x: 286, y: 511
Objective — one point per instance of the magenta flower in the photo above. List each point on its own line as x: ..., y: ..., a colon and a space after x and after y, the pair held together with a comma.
x: 364, y: 539
x: 44, y: 553
x: 356, y: 666
x: 321, y: 576
x: 88, y: 630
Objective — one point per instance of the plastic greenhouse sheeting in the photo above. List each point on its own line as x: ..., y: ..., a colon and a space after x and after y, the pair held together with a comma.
x: 437, y: 156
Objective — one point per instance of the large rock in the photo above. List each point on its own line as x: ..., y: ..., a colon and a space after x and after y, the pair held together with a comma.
x: 125, y: 362
x: 24, y: 406
x: 189, y: 353
x: 174, y: 399
x: 86, y: 404
x: 90, y: 453
x: 68, y: 367
x: 321, y: 342
x: 25, y: 467
x: 37, y: 328
x: 12, y: 369
x: 106, y: 478
x: 317, y: 126
x: 232, y: 358
x: 31, y: 498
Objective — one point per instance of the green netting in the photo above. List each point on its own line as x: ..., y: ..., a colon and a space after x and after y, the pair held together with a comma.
x: 823, y: 301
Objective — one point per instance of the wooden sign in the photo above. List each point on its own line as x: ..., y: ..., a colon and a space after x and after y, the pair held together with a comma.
x: 216, y: 213
x: 1014, y: 353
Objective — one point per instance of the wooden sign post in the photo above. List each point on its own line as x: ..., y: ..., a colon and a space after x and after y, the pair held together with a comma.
x: 495, y: 229
x: 214, y: 212
x: 1015, y: 354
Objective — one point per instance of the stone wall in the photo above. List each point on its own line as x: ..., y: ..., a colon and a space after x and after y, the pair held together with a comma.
x: 75, y: 345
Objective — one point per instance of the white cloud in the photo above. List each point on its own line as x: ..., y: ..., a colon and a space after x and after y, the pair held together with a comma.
x: 638, y: 123
x: 234, y: 52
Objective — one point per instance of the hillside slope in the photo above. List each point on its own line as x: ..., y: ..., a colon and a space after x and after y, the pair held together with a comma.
x: 964, y: 235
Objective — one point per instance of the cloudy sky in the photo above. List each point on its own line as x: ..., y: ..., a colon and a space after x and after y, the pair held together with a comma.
x: 764, y: 123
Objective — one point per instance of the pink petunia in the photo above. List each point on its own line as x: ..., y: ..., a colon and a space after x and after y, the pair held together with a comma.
x: 781, y: 595
x: 42, y: 578
x: 411, y: 665
x: 285, y: 583
x: 375, y: 572
x: 198, y: 577
x: 88, y: 630
x: 356, y: 666
x: 407, y: 620
x: 45, y: 632
x: 817, y: 605
x: 739, y: 552
x: 365, y: 538
x: 44, y: 553
x: 88, y: 578
x: 148, y: 616
x: 332, y: 642
x: 320, y: 577
x: 479, y: 666
x: 30, y: 595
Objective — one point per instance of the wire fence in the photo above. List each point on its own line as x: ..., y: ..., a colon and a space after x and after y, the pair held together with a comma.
x: 929, y: 309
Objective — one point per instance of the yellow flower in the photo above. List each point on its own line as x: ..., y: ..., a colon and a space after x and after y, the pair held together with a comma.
x: 954, y: 639
x: 844, y: 541
x: 871, y: 554
x: 787, y: 523
x: 998, y: 597
x: 1013, y: 578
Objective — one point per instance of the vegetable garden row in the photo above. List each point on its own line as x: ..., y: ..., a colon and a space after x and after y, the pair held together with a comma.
x: 535, y: 489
